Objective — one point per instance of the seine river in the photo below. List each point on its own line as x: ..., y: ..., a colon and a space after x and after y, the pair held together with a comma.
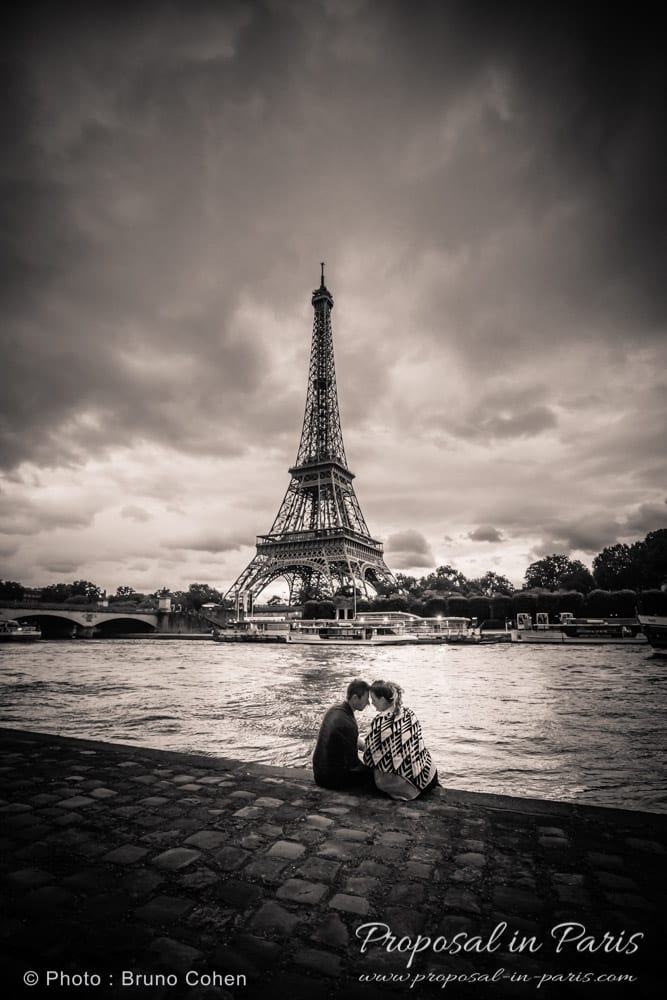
x: 584, y: 724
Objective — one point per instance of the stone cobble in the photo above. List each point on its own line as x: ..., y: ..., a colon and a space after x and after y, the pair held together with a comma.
x: 121, y: 858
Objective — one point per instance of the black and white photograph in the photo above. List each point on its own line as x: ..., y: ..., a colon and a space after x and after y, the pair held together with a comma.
x: 333, y: 499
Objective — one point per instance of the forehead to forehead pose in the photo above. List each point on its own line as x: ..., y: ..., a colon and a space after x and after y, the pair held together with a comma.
x: 389, y: 693
x: 394, y: 748
x: 357, y: 688
x: 336, y: 762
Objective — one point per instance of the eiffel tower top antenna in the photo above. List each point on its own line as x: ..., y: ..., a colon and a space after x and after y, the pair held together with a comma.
x: 322, y: 266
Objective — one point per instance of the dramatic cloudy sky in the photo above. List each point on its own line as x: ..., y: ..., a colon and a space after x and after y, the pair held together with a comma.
x: 485, y: 183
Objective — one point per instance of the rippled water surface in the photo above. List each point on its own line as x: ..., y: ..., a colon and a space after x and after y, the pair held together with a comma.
x: 584, y: 723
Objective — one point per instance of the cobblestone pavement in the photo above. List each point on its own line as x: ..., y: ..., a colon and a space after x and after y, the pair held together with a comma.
x: 214, y: 878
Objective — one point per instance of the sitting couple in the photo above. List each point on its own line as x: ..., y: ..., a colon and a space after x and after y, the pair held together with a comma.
x: 394, y: 755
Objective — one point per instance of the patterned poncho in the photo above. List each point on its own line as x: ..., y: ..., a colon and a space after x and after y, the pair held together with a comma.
x: 394, y: 744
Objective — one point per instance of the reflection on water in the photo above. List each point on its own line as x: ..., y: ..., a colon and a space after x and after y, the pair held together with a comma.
x: 584, y: 724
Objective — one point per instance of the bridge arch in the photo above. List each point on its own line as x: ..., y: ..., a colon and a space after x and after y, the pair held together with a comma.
x: 65, y: 623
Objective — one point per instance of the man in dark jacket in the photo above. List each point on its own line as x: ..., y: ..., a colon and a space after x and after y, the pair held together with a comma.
x: 336, y: 761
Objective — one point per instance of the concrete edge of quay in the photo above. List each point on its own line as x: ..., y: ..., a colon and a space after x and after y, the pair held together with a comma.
x: 484, y: 800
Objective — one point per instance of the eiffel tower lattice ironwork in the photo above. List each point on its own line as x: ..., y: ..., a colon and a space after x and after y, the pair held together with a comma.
x: 319, y: 541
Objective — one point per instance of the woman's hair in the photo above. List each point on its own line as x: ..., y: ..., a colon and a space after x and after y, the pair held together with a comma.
x: 392, y: 692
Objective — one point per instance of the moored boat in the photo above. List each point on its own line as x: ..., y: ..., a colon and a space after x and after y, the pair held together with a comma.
x: 253, y: 630
x: 14, y: 631
x: 350, y: 632
x: 392, y: 628
x: 654, y: 628
x: 578, y: 631
x: 316, y: 631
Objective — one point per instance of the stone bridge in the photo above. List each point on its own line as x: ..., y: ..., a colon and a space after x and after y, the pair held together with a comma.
x: 86, y: 622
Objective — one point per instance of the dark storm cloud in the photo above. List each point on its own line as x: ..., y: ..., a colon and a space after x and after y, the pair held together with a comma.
x: 130, y: 328
x: 590, y: 81
x: 45, y: 513
x: 590, y: 534
x: 487, y: 422
x: 594, y: 532
x: 486, y: 533
x: 159, y: 159
x: 632, y: 438
x: 408, y: 549
x: 123, y: 279
x: 647, y: 517
x: 205, y: 541
x: 63, y: 566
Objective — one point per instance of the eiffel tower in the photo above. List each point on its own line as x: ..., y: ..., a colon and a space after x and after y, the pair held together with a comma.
x: 319, y: 541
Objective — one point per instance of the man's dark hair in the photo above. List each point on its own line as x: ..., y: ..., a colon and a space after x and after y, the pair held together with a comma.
x: 358, y: 687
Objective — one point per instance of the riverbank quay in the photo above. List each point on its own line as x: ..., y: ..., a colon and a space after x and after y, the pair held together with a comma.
x: 131, y: 872
x: 198, y: 636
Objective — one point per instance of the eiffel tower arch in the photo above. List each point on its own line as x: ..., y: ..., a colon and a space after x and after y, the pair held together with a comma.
x: 319, y: 541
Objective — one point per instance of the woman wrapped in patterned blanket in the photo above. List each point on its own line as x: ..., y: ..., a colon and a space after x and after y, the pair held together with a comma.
x: 394, y: 748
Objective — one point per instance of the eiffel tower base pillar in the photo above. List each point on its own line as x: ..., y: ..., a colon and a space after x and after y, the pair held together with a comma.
x: 344, y: 608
